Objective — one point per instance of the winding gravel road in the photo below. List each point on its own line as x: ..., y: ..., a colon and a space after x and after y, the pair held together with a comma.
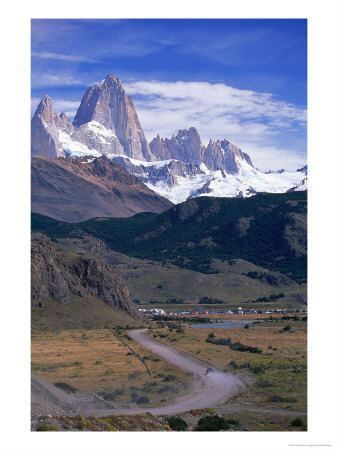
x: 208, y: 390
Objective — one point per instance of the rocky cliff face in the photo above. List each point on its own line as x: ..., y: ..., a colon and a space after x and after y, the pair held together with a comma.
x: 106, y: 103
x: 44, y: 131
x: 226, y: 156
x: 186, y: 146
x: 60, y: 276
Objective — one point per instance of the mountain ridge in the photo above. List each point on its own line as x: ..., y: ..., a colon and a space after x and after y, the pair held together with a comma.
x: 78, y: 189
x: 267, y: 229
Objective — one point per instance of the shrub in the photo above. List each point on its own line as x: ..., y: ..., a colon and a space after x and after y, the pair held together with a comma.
x: 111, y: 395
x: 167, y: 388
x: 177, y: 423
x: 80, y: 425
x: 212, y: 423
x: 287, y: 328
x: 142, y: 399
x: 264, y: 384
x: 209, y: 301
x: 47, y: 427
x: 170, y: 378
x: 297, y: 422
x: 278, y: 399
x: 65, y: 387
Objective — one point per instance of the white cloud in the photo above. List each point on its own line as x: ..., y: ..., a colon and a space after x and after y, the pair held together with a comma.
x: 61, y: 57
x: 255, y: 121
x: 43, y: 80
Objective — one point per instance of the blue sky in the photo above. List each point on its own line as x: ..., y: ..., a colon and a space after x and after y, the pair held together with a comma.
x: 245, y: 80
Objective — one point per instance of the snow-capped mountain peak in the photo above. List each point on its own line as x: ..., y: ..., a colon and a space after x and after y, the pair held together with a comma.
x: 178, y: 168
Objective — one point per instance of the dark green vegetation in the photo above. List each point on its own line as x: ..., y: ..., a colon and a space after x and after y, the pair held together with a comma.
x: 177, y: 423
x: 271, y: 298
x: 268, y: 230
x: 237, y: 346
x: 214, y: 422
x: 65, y: 387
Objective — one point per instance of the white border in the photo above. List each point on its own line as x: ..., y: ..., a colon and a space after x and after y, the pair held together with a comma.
x: 15, y: 114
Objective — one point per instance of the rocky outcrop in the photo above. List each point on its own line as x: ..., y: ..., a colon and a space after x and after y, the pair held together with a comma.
x: 79, y: 189
x: 185, y: 146
x: 294, y: 239
x: 224, y: 155
x: 107, y: 103
x: 44, y: 130
x: 159, y: 149
x: 61, y: 276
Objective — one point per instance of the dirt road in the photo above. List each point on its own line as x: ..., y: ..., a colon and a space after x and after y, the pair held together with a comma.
x: 208, y: 390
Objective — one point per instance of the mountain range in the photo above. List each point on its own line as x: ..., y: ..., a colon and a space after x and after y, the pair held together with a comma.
x: 179, y: 168
x: 75, y: 189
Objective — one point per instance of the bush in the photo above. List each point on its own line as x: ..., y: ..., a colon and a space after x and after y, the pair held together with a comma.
x: 264, y: 384
x: 297, y: 422
x: 142, y: 399
x: 111, y: 395
x: 180, y: 329
x: 170, y: 378
x: 212, y: 423
x: 65, y: 387
x: 177, y: 423
x: 209, y: 301
x: 278, y: 399
x: 47, y: 427
x: 167, y: 388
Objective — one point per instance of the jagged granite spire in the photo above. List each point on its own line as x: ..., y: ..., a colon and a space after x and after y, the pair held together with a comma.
x: 108, y: 104
x: 44, y: 130
x: 225, y: 155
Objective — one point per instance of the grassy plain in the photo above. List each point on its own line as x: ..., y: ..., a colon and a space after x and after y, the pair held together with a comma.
x: 277, y: 377
x: 95, y: 361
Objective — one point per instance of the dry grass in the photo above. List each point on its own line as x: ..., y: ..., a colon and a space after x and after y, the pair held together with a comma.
x: 278, y: 375
x: 95, y: 361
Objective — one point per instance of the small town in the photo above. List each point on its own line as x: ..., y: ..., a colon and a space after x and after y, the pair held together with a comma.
x: 229, y: 312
